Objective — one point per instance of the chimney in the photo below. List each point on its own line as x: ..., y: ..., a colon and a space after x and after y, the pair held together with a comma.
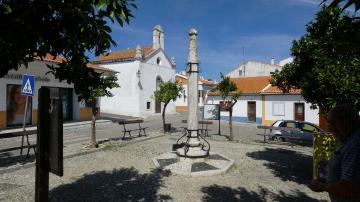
x: 272, y: 61
x: 138, y: 55
x: 158, y: 37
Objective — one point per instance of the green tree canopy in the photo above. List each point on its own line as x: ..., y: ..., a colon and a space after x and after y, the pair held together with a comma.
x: 228, y: 92
x: 33, y: 28
x: 326, y: 64
x: 227, y: 88
x: 168, y: 91
x: 347, y: 3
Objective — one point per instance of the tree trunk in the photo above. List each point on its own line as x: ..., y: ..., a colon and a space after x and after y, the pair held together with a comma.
x: 231, y: 137
x: 93, y: 125
x: 163, y: 116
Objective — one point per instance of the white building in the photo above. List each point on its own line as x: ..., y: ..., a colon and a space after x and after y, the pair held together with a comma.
x: 254, y: 68
x: 141, y: 71
x: 263, y: 104
x: 12, y: 104
x: 204, y: 86
x: 286, y: 61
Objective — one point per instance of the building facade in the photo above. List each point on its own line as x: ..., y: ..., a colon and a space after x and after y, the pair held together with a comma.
x: 262, y: 103
x: 204, y: 86
x: 12, y: 103
x: 254, y: 68
x: 141, y: 69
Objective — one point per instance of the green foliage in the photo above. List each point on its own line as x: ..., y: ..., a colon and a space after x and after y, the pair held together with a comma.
x: 68, y: 28
x: 335, y: 3
x: 167, y: 91
x: 109, y: 82
x: 227, y: 88
x: 323, y: 148
x: 326, y: 61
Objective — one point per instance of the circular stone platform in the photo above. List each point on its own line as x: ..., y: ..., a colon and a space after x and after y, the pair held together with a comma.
x: 214, y: 164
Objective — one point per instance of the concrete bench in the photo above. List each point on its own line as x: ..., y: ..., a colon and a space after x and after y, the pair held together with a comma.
x: 128, y: 131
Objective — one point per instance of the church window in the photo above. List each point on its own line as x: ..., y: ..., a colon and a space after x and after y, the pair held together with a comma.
x: 158, y: 61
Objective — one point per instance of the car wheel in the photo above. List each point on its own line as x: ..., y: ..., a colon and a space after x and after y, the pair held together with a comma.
x: 282, y: 139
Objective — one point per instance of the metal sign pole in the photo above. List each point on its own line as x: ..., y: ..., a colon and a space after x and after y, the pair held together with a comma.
x: 24, y: 122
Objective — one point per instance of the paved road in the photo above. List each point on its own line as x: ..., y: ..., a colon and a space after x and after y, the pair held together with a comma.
x: 81, y: 135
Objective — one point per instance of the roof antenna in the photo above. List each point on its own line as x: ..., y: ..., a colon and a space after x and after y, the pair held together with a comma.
x: 244, y: 60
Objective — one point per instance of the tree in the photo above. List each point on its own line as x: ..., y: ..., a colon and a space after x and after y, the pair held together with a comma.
x: 168, y: 91
x: 227, y: 90
x: 335, y: 3
x: 33, y: 28
x: 100, y: 91
x: 326, y: 63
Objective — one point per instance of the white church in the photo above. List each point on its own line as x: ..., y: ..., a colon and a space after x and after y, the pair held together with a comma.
x: 141, y: 70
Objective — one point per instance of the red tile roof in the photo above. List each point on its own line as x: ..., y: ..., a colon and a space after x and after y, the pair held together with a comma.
x: 124, y: 54
x: 206, y: 82
x: 50, y: 58
x: 102, y: 69
x: 276, y: 90
x: 59, y: 59
x: 249, y: 85
x: 257, y: 85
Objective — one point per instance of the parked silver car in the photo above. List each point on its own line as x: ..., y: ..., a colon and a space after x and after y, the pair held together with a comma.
x: 305, y: 132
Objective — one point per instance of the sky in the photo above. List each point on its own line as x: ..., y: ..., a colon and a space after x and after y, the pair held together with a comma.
x: 229, y: 31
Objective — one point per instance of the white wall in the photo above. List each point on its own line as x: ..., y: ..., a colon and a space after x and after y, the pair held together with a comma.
x: 240, y: 108
x: 126, y: 98
x: 134, y: 92
x: 183, y: 101
x: 288, y: 102
x: 149, y: 73
x: 253, y: 68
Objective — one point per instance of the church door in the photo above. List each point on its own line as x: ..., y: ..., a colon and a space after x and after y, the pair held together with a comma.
x: 158, y: 104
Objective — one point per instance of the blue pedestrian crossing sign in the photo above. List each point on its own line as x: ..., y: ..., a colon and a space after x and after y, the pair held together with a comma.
x: 28, y: 85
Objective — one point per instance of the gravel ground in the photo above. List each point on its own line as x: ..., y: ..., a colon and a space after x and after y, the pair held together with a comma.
x: 125, y: 172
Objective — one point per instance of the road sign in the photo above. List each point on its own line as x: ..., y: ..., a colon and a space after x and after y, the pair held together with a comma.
x: 211, y: 112
x: 28, y: 85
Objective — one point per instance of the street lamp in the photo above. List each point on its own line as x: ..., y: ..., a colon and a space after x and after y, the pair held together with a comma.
x: 138, y: 73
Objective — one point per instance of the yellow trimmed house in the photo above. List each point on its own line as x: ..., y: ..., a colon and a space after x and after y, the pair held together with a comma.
x: 204, y: 87
x: 262, y: 103
x: 12, y: 103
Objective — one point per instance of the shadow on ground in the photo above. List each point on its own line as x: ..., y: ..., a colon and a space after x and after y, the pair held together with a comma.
x: 216, y: 193
x: 6, y: 159
x: 125, y: 184
x: 289, y: 165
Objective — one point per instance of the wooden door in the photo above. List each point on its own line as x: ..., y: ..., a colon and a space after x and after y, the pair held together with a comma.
x: 157, y: 107
x: 299, y: 111
x: 251, y: 109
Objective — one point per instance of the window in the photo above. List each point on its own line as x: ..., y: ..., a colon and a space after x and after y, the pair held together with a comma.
x: 278, y: 108
x: 291, y: 125
x: 309, y: 127
x: 148, y: 105
x: 158, y: 61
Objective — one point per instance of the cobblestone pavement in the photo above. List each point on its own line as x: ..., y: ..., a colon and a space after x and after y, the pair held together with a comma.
x: 122, y: 170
